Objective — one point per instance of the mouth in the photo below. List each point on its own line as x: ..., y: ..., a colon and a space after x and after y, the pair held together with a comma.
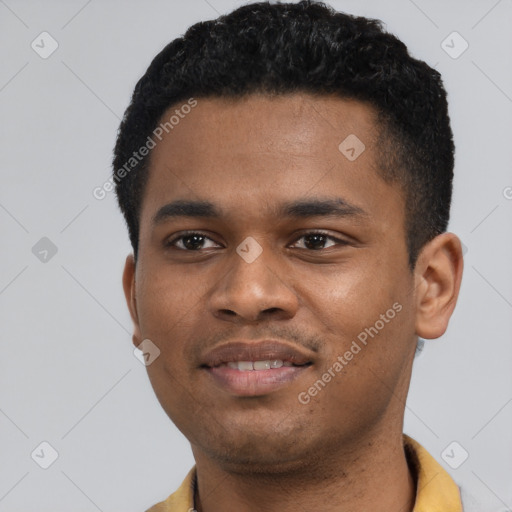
x: 245, y: 366
x: 250, y: 369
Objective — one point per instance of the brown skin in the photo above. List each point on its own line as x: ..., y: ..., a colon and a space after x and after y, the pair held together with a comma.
x: 343, y: 450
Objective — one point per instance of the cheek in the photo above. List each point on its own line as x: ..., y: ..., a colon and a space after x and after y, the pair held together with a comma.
x: 366, y: 366
x: 164, y: 299
x: 167, y: 303
x: 167, y: 306
x: 348, y: 300
x: 367, y: 314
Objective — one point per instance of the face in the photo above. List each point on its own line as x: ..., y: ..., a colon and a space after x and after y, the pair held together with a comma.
x: 299, y: 243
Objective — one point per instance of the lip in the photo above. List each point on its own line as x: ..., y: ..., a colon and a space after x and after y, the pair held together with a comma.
x: 263, y: 350
x: 255, y: 382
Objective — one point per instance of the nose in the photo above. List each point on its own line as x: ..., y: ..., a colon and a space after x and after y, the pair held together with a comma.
x: 254, y: 291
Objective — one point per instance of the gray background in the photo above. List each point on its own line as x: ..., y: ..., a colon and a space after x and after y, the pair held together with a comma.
x: 68, y: 375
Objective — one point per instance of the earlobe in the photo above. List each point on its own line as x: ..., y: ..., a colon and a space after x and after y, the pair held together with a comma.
x: 130, y: 296
x: 438, y: 276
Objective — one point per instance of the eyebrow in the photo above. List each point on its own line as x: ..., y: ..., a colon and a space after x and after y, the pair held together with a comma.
x: 303, y: 208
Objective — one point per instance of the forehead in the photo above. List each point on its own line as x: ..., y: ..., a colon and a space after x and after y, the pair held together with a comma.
x: 253, y: 155
x: 295, y: 125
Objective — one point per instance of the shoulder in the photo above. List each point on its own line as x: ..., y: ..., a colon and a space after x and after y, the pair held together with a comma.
x: 182, y: 500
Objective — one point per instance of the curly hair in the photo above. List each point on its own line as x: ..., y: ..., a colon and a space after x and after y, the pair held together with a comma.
x: 284, y: 48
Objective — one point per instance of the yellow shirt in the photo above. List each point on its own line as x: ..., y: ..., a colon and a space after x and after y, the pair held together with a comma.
x: 436, y: 491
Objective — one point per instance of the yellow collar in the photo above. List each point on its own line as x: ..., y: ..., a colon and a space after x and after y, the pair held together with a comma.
x: 436, y: 491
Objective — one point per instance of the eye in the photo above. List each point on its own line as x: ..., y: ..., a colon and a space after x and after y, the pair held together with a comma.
x: 193, y: 241
x: 189, y: 241
x: 315, y: 240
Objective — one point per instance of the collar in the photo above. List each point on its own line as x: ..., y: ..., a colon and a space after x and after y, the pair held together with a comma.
x: 435, y: 489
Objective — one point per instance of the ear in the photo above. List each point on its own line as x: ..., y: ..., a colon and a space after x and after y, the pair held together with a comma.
x: 129, y: 293
x: 438, y: 274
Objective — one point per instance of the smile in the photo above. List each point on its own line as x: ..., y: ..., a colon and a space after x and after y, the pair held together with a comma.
x: 244, y: 366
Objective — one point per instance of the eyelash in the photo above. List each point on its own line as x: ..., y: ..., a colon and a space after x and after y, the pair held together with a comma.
x: 171, y: 243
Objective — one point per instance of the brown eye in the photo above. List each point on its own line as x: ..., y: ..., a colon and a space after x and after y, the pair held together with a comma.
x: 189, y: 241
x: 316, y: 240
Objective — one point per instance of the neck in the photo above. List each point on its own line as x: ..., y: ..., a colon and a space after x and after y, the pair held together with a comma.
x: 370, y: 474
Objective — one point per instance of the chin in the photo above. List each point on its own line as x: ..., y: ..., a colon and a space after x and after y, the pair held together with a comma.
x: 266, y: 453
x: 263, y: 464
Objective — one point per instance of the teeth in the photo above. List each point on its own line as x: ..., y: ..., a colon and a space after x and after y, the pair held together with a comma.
x: 261, y: 365
x: 257, y: 365
x: 244, y: 366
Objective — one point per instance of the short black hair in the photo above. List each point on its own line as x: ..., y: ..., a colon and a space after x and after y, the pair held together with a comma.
x: 284, y: 48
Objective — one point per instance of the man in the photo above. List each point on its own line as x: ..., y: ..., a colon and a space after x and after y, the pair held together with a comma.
x: 285, y: 172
